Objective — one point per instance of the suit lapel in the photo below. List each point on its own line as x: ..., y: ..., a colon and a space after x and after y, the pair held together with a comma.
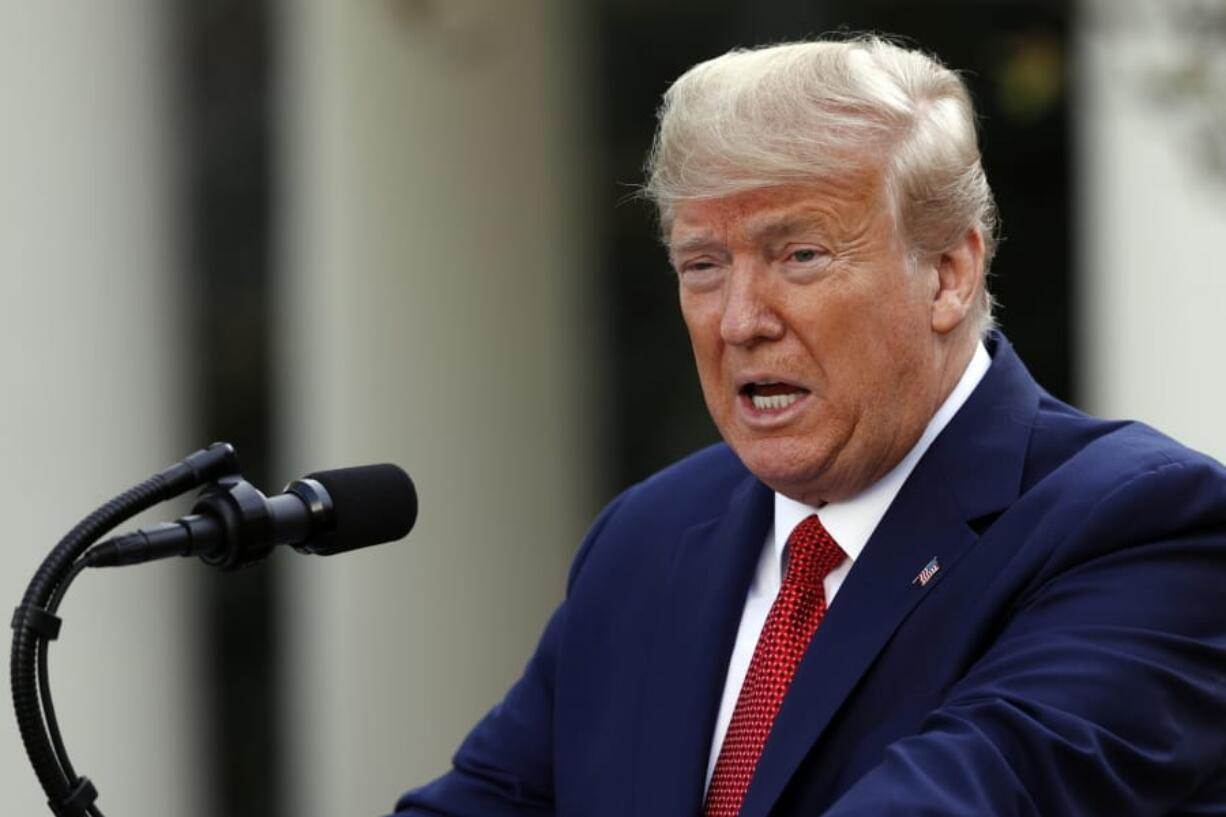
x: 973, y: 469
x: 685, y: 676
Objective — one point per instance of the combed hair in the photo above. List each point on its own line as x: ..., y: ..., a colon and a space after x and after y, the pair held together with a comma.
x: 799, y: 112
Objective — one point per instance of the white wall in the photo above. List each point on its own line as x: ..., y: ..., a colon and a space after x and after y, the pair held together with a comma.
x: 1153, y: 224
x: 93, y: 396
x: 434, y: 276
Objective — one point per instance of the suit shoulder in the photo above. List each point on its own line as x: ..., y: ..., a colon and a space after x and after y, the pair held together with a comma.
x: 687, y: 492
x: 663, y: 506
x: 1094, y: 486
x: 711, y: 471
x: 1068, y: 444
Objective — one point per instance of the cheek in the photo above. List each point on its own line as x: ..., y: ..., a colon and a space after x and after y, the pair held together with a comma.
x: 707, y: 348
x: 702, y: 323
x: 851, y: 345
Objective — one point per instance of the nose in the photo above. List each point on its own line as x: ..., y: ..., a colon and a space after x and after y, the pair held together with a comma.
x: 748, y: 314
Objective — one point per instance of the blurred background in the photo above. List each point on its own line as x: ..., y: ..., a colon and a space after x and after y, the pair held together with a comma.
x: 403, y: 230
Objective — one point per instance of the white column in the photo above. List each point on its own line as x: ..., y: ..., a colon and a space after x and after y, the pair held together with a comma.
x: 93, y: 390
x: 1152, y: 224
x: 435, y: 289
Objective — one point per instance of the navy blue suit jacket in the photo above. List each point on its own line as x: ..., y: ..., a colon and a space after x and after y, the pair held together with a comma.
x: 1068, y: 657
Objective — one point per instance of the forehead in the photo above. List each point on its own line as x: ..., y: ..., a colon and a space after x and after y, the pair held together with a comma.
x: 847, y: 204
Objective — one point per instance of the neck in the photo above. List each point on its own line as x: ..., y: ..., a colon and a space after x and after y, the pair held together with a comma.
x: 956, y: 357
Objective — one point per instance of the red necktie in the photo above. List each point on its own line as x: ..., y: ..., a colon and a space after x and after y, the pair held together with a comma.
x: 790, y: 625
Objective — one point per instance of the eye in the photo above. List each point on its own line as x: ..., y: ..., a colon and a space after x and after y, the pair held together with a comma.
x: 700, y: 274
x: 805, y: 255
x: 803, y: 262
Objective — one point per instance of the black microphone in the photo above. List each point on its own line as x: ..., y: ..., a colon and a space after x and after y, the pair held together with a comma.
x: 233, y: 524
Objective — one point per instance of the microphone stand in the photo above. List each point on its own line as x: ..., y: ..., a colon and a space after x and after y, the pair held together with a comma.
x: 35, y: 623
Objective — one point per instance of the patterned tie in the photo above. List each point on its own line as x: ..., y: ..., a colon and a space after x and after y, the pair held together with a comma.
x: 790, y: 625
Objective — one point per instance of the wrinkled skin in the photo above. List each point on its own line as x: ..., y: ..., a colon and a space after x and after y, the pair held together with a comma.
x: 809, y: 288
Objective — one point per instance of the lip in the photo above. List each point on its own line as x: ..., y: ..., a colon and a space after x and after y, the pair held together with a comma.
x: 766, y: 377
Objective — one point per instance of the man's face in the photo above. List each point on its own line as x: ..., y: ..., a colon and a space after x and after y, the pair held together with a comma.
x: 813, y: 337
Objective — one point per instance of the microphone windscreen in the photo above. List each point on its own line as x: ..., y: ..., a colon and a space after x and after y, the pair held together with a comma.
x: 371, y: 504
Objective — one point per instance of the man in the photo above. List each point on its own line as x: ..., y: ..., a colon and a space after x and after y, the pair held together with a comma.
x: 911, y: 582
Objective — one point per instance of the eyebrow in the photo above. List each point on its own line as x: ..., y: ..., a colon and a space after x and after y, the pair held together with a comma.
x: 786, y: 226
x: 769, y: 229
x: 703, y: 241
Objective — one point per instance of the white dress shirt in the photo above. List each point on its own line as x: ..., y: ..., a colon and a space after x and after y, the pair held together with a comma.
x: 851, y: 523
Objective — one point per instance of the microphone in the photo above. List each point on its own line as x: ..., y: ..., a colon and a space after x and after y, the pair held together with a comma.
x: 233, y: 524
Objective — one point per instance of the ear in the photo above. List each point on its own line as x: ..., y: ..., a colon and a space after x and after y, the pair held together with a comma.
x: 959, y: 281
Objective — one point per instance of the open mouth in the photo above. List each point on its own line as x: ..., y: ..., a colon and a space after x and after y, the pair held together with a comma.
x: 772, y: 396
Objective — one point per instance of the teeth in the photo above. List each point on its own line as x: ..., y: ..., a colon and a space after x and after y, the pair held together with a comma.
x: 773, y: 402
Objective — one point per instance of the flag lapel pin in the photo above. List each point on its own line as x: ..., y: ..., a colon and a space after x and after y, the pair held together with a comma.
x: 927, y: 573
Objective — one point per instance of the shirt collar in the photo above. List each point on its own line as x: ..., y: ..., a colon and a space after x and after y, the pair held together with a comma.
x: 852, y: 521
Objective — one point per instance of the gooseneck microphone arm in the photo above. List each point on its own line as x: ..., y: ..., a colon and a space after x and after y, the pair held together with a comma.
x: 35, y: 623
x: 231, y: 525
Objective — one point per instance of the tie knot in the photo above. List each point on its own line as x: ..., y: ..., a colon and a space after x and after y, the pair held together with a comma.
x: 812, y: 553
